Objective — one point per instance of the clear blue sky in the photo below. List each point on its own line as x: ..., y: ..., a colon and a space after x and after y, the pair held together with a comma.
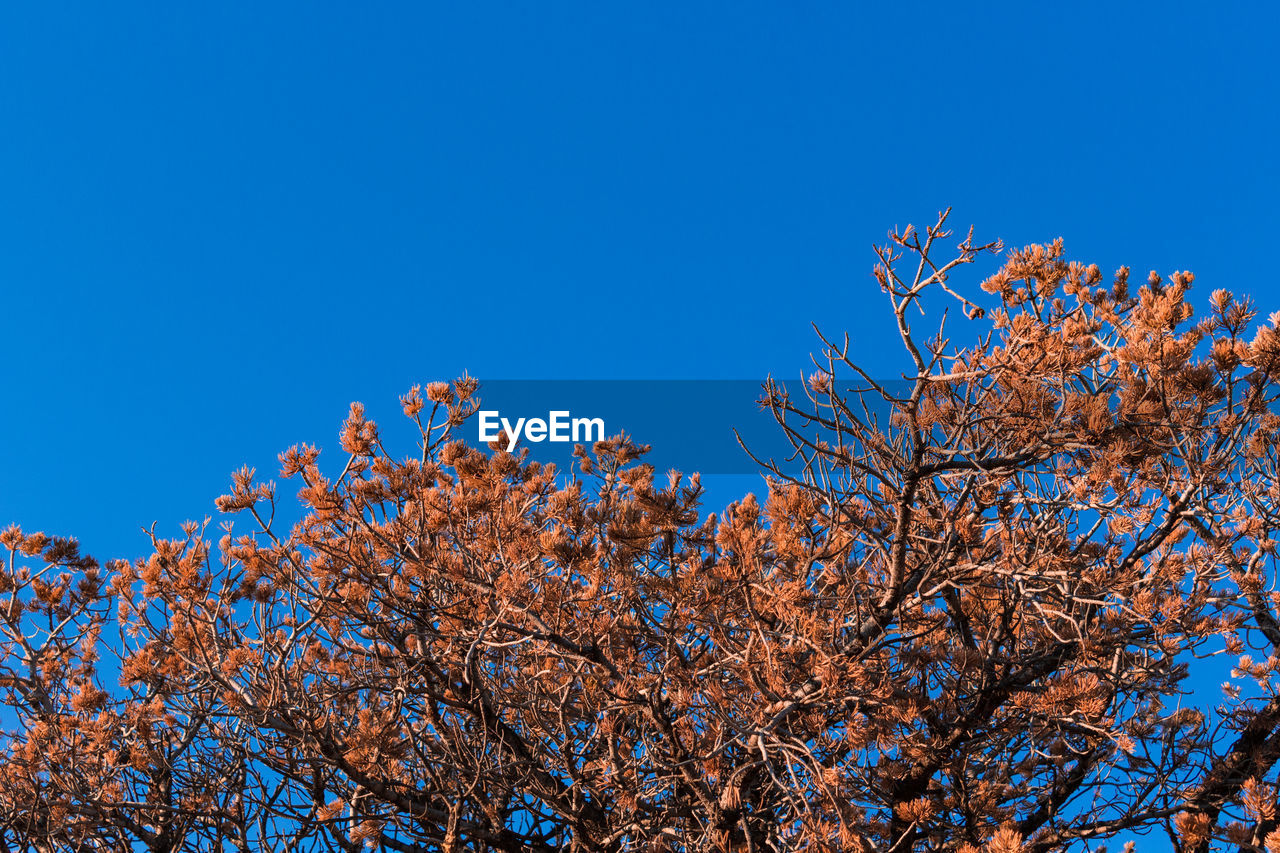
x: 218, y: 227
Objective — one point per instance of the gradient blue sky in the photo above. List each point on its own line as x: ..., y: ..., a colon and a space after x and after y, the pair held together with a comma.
x: 218, y: 227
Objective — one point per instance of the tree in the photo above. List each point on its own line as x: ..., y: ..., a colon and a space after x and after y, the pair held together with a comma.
x: 963, y: 617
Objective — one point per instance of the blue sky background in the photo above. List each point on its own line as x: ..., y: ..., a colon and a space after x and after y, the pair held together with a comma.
x: 219, y: 227
x: 221, y: 224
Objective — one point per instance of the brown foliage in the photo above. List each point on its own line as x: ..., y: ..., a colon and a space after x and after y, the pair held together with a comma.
x: 962, y: 618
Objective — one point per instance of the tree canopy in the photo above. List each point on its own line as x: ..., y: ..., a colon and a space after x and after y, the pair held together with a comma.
x: 965, y: 616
